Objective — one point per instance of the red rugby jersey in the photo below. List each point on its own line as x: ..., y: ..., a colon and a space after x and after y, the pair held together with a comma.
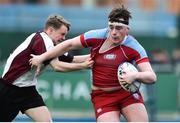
x: 104, y: 71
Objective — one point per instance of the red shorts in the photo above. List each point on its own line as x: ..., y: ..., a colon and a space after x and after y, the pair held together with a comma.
x: 104, y: 101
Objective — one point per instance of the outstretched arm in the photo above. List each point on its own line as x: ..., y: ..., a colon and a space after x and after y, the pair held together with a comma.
x: 80, y: 58
x: 60, y: 66
x: 58, y: 50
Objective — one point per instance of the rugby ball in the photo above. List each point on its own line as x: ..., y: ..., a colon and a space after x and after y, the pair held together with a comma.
x: 134, y: 86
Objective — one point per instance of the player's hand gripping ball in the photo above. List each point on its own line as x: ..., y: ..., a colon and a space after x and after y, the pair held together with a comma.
x: 134, y: 86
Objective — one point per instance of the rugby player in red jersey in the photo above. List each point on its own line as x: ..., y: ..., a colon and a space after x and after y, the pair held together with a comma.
x: 110, y: 47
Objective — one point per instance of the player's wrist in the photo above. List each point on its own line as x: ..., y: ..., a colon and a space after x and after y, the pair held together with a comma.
x: 42, y: 58
x: 136, y: 75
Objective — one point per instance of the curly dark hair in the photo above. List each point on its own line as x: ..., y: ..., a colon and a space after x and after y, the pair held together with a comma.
x: 120, y: 14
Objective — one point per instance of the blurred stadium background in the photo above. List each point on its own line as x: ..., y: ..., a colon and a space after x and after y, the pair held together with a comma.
x: 155, y: 23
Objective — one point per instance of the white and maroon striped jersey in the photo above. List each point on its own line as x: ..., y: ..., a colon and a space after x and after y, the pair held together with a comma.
x: 17, y: 70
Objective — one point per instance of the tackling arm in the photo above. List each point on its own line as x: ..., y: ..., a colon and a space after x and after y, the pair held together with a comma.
x: 60, y: 66
x: 81, y: 58
x: 58, y: 50
x: 61, y: 48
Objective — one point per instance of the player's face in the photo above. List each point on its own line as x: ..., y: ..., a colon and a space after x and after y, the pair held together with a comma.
x: 58, y: 35
x: 117, y: 33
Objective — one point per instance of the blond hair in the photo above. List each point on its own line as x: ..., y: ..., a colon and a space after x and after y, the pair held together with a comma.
x: 56, y: 21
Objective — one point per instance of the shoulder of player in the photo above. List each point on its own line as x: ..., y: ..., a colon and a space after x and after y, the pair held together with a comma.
x: 130, y: 41
x: 42, y: 38
x: 97, y: 33
x: 35, y: 36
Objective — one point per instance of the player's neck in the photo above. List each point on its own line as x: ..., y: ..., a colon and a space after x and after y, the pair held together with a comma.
x: 107, y: 45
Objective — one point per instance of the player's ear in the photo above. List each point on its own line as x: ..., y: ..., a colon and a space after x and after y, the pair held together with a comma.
x: 127, y: 31
x: 51, y: 29
x: 108, y: 28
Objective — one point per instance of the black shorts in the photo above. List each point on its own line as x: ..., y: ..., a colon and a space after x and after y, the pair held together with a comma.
x: 14, y: 99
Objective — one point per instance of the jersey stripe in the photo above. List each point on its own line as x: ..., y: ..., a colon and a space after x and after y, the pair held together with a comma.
x: 47, y: 41
x: 18, y: 50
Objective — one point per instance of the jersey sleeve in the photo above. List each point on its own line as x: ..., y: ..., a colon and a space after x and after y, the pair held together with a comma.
x: 135, y: 52
x: 141, y: 55
x: 93, y: 37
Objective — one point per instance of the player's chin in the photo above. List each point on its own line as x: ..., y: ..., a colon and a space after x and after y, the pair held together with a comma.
x: 116, y: 42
